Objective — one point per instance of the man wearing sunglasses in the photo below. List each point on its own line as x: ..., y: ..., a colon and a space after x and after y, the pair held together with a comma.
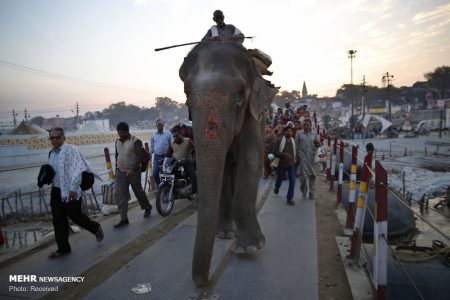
x: 65, y: 201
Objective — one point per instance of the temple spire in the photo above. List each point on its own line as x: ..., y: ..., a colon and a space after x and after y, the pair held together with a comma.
x: 304, y: 91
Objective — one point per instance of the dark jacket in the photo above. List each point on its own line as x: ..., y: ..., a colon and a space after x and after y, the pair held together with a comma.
x: 287, y: 158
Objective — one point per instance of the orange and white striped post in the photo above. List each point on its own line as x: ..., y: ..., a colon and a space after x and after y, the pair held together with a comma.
x: 333, y: 165
x: 108, y: 164
x: 380, y: 233
x: 351, y: 195
x: 360, y: 209
x: 151, y: 179
x: 341, y: 172
x: 328, y: 157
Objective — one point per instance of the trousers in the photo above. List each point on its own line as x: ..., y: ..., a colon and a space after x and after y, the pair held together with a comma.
x: 123, y: 193
x: 281, y: 171
x: 311, y: 183
x: 72, y: 209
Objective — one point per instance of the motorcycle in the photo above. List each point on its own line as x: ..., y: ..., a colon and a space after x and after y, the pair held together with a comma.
x: 175, y: 184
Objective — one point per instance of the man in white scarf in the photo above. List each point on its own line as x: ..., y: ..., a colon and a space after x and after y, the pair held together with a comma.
x: 284, y: 152
x: 68, y: 164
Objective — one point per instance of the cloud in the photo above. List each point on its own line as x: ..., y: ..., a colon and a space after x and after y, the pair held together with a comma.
x: 438, y: 12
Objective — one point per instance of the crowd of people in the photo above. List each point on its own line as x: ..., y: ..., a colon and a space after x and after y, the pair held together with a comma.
x: 290, y: 146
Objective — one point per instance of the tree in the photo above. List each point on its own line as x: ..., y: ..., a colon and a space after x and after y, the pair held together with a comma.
x: 439, y: 79
x: 285, y: 96
x: 39, y: 121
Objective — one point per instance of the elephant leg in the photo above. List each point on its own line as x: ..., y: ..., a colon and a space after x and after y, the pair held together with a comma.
x: 249, y: 170
x: 227, y: 227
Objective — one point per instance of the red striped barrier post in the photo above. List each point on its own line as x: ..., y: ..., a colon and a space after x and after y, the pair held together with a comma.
x: 328, y: 157
x: 333, y: 165
x: 108, y: 163
x: 351, y: 195
x: 341, y: 172
x: 360, y: 209
x: 380, y: 233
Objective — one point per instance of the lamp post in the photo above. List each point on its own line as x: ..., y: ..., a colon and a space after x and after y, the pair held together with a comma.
x: 351, y: 55
x: 388, y: 79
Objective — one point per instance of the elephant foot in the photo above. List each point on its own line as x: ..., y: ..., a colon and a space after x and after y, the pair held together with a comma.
x: 227, y: 235
x: 227, y: 230
x: 200, y: 281
x: 249, y: 245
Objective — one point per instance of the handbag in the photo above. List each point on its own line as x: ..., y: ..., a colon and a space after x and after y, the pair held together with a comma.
x: 320, y: 156
x: 275, y: 162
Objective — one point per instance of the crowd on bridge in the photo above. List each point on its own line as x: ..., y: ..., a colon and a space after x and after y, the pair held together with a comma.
x: 290, y: 145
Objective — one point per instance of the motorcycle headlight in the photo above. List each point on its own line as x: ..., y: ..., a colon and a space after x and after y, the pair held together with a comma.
x: 167, y: 168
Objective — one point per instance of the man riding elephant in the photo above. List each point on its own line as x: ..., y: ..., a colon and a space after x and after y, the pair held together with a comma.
x: 228, y: 32
x: 223, y: 30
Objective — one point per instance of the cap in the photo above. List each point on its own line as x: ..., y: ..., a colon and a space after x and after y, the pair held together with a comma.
x: 369, y: 147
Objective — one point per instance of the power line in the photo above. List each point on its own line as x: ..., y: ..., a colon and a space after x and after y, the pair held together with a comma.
x: 64, y: 77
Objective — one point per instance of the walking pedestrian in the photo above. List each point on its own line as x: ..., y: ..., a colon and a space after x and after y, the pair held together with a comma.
x: 129, y: 153
x: 269, y: 140
x: 159, y: 144
x: 284, y: 151
x: 307, y: 143
x: 65, y: 200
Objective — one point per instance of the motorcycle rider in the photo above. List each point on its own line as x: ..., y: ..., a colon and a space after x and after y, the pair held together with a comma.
x: 182, y: 149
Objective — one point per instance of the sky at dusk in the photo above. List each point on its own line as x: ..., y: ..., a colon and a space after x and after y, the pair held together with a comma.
x: 99, y: 52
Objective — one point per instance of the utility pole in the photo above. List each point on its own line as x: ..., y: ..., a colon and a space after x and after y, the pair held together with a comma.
x: 363, y: 98
x: 14, y: 117
x: 351, y: 55
x: 26, y: 115
x: 78, y: 111
x: 388, y: 78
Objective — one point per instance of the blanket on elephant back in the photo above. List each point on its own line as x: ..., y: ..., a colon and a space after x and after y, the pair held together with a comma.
x: 261, y: 60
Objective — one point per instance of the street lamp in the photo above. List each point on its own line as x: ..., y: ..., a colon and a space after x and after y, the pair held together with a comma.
x: 388, y: 78
x: 351, y: 55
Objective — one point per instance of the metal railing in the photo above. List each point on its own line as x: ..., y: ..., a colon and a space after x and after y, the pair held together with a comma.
x: 380, y: 217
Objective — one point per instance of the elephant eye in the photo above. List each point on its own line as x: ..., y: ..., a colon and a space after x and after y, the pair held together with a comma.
x: 239, y: 97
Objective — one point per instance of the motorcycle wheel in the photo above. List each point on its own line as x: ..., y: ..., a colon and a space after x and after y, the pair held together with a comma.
x: 164, y: 205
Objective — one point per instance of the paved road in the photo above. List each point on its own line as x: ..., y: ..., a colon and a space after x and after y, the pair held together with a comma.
x: 159, y: 252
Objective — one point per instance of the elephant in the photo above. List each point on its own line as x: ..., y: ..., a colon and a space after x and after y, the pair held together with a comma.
x: 227, y: 100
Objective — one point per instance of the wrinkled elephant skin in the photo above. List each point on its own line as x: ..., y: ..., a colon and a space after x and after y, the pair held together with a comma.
x: 226, y: 101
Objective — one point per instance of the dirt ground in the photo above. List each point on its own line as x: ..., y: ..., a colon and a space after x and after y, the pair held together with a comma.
x: 333, y: 282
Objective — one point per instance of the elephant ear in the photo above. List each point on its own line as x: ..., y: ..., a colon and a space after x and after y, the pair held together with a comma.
x: 262, y: 96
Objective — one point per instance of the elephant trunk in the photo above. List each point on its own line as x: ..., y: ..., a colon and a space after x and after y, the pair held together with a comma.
x: 210, y: 172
